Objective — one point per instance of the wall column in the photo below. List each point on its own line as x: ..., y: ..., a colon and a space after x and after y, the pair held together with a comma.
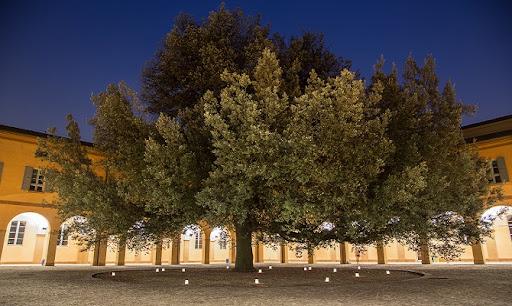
x: 284, y: 253
x: 175, y: 251
x: 2, y: 240
x: 400, y: 249
x: 232, y: 253
x: 157, y: 260
x: 478, y: 254
x: 311, y: 257
x: 259, y: 252
x: 381, y: 253
x: 121, y: 252
x: 100, y: 253
x: 344, y: 253
x: 206, y: 246
x: 52, y: 247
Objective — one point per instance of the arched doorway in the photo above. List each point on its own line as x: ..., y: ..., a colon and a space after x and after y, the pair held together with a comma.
x: 499, y: 246
x: 26, y: 240
x: 220, y: 245
x: 192, y: 242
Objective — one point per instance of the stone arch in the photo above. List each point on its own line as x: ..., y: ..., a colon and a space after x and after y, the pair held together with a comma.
x: 220, y: 240
x: 499, y: 246
x: 69, y: 248
x: 27, y: 239
x: 192, y: 243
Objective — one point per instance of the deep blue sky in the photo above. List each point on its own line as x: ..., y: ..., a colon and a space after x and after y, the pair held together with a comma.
x: 55, y: 54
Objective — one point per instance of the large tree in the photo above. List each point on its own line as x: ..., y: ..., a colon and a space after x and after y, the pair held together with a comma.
x: 283, y: 167
x: 194, y: 54
x: 107, y: 183
x: 84, y: 187
x: 425, y: 128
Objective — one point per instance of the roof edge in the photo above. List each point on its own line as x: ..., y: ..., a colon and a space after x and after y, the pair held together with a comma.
x: 34, y: 133
x: 494, y: 120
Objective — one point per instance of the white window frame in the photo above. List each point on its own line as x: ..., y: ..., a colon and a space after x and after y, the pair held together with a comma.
x: 198, y: 240
x: 63, y: 238
x: 16, y: 232
x: 37, y: 181
x: 495, y: 176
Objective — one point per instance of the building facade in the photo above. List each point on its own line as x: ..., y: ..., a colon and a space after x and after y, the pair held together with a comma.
x: 32, y: 233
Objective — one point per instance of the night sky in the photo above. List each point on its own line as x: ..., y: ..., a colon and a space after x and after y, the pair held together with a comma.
x: 55, y: 54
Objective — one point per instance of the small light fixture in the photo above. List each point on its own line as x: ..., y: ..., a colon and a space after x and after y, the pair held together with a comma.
x: 113, y: 273
x: 357, y: 274
x: 327, y: 279
x: 157, y: 270
x: 309, y: 268
x: 227, y: 267
x: 270, y: 267
x: 387, y: 272
x: 186, y: 282
x: 182, y: 269
x: 358, y: 267
x: 260, y: 271
x: 163, y: 269
x: 305, y: 268
x: 256, y: 281
x: 334, y: 270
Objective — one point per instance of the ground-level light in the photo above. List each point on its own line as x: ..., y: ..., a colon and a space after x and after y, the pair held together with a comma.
x: 163, y: 269
x: 256, y: 281
x: 270, y: 267
x: 387, y: 272
x: 182, y: 269
x: 358, y: 267
x: 327, y: 279
x: 157, y: 270
x: 260, y: 271
x: 186, y: 282
x: 334, y: 270
x: 309, y: 268
x: 305, y: 268
x: 357, y: 274
x: 113, y: 273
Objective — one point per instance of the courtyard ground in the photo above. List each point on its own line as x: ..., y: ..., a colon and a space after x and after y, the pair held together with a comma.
x: 283, y: 285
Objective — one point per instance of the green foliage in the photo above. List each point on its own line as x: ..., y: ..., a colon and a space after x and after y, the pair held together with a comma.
x: 284, y: 168
x: 336, y: 147
x: 274, y: 139
x: 171, y: 179
x: 195, y: 54
x: 446, y: 208
x: 82, y: 189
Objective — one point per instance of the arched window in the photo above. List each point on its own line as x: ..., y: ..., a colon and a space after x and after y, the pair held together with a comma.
x: 198, y: 241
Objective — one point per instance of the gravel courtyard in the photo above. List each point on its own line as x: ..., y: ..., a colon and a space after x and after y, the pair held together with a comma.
x: 283, y: 285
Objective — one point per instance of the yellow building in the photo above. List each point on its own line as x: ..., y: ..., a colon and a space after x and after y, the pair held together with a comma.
x: 32, y: 233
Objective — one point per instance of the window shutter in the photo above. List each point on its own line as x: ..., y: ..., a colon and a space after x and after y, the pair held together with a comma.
x: 27, y: 177
x: 1, y: 169
x: 502, y: 168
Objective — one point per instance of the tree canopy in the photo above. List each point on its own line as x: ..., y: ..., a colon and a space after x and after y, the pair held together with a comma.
x: 425, y: 127
x: 195, y: 54
x: 276, y: 140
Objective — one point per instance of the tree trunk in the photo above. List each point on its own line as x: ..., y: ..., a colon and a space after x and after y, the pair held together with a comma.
x: 244, y: 257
